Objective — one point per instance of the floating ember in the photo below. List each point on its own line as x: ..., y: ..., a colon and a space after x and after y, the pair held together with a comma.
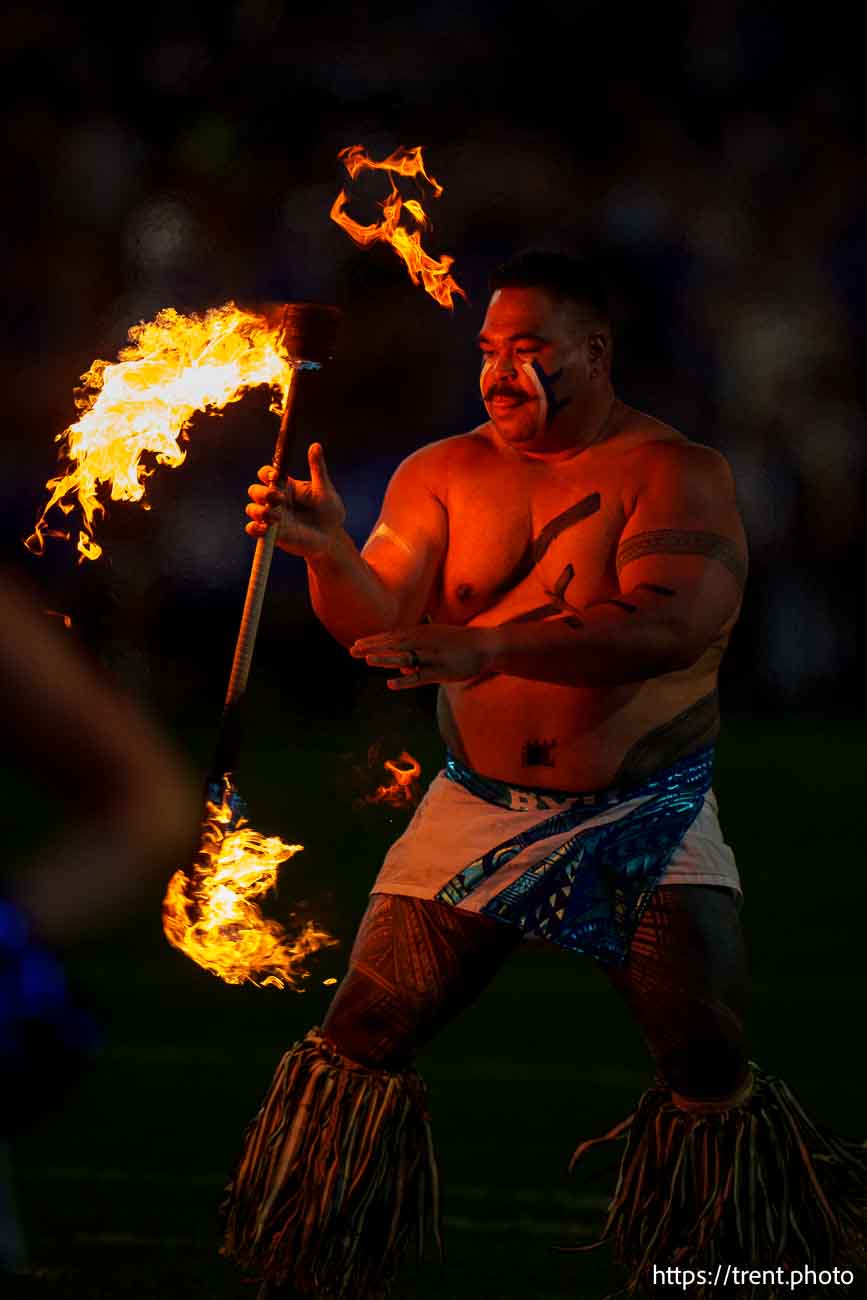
x: 433, y: 274
x: 134, y: 413
x: 403, y: 788
x: 211, y: 914
x: 56, y: 613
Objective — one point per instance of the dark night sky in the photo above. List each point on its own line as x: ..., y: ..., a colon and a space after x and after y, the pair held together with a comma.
x: 707, y: 154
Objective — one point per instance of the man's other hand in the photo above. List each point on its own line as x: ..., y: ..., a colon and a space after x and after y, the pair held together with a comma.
x: 433, y: 652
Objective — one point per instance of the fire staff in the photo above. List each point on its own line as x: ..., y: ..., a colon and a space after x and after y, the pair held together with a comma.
x: 569, y: 574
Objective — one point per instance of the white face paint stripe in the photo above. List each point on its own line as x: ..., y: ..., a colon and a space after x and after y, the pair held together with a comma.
x: 535, y: 382
x: 530, y: 371
x: 388, y: 534
x: 542, y: 408
x: 488, y: 366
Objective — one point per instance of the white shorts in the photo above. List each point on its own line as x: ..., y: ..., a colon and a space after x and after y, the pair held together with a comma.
x: 453, y: 827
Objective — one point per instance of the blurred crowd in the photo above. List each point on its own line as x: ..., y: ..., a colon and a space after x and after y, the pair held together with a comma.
x: 706, y: 153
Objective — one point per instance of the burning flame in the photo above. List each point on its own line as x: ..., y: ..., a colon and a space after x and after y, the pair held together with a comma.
x: 434, y: 275
x: 140, y: 406
x: 403, y: 789
x: 212, y: 917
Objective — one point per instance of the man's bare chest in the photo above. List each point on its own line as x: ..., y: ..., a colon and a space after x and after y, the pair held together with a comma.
x: 517, y: 546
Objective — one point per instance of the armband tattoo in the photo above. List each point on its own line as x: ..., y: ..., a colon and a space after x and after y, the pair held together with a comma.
x: 670, y: 541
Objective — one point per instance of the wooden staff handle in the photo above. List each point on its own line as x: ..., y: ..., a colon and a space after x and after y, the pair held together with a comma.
x: 260, y: 568
x: 228, y: 746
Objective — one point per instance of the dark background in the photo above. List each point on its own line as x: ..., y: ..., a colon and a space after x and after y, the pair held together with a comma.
x: 710, y: 156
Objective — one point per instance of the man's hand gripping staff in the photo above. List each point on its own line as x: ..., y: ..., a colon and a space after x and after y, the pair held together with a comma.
x: 354, y: 594
x: 309, y: 513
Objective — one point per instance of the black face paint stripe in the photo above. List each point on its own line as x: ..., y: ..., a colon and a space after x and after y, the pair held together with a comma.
x: 555, y: 405
x: 670, y: 541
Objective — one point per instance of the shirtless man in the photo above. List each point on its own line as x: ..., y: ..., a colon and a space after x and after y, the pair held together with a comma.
x: 568, y: 573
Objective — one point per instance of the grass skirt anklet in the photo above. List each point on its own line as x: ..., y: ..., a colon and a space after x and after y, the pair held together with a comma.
x: 337, y: 1172
x: 755, y: 1184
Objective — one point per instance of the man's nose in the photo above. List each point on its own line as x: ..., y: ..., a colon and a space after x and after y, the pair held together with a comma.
x: 504, y: 363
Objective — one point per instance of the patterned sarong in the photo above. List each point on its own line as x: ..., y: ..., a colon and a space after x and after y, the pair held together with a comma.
x: 573, y: 868
x: 589, y: 891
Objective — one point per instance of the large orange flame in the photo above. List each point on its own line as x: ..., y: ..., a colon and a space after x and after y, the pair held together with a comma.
x: 212, y: 917
x: 135, y: 411
x: 434, y: 275
x: 402, y: 790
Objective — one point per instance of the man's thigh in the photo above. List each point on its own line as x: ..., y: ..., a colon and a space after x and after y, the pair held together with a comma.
x: 414, y: 966
x: 686, y: 983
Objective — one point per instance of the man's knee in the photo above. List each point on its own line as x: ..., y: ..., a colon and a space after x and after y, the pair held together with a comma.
x: 686, y: 983
x: 370, y: 1023
x: 415, y: 965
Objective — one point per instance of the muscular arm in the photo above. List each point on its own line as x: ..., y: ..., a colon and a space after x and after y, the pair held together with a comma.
x: 389, y: 583
x: 681, y: 565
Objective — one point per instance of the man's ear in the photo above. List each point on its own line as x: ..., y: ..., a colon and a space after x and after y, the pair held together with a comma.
x: 598, y: 352
x: 597, y: 345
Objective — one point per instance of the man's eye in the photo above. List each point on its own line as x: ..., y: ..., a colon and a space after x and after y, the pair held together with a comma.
x: 526, y: 352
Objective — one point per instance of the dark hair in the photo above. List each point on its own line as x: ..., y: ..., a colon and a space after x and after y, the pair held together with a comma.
x: 561, y: 274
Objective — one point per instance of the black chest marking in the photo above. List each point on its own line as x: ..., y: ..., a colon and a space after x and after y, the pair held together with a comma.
x: 535, y: 550
x: 464, y: 592
x: 558, y: 603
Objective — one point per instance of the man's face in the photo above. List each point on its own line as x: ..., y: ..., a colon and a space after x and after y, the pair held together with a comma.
x: 535, y: 364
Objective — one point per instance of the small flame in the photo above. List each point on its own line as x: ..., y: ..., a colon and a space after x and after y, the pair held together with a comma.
x: 403, y: 789
x: 212, y: 917
x: 434, y: 275
x: 56, y: 613
x: 142, y: 404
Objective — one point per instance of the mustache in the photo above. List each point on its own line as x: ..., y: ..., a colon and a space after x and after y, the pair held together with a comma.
x: 499, y: 391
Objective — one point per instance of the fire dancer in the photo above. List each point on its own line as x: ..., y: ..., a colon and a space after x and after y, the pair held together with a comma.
x: 128, y: 814
x: 569, y: 574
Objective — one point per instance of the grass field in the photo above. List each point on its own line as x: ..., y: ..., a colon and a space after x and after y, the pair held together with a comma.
x: 120, y: 1184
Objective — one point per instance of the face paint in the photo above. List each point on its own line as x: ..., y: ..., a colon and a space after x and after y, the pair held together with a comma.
x: 542, y: 385
x: 549, y: 405
x: 487, y: 367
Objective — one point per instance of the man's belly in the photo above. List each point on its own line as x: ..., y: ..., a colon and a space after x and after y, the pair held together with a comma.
x: 569, y: 738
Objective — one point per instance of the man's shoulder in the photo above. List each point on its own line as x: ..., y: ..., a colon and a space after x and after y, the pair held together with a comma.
x: 654, y: 449
x: 451, y: 453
